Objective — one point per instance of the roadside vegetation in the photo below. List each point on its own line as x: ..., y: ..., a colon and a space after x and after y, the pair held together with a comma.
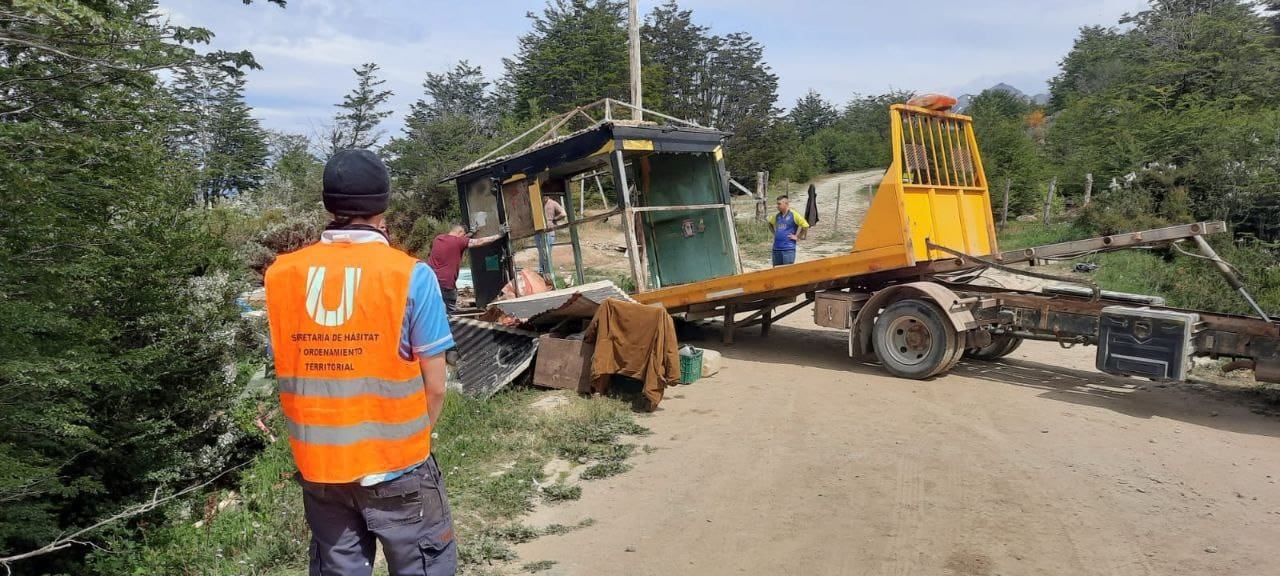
x: 143, y: 199
x: 493, y: 453
x: 1184, y: 281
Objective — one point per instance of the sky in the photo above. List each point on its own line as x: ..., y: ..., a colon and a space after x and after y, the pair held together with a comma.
x: 837, y: 47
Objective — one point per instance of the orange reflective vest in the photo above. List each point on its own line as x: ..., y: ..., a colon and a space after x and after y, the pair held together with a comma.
x: 353, y: 406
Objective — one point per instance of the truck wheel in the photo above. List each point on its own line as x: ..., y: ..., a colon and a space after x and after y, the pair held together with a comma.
x: 913, y: 340
x: 1001, y: 345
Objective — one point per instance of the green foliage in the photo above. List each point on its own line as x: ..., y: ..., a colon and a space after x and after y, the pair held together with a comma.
x: 491, y: 452
x: 1019, y: 235
x: 294, y: 179
x: 604, y: 470
x: 1183, y: 98
x: 1184, y: 281
x: 222, y: 533
x: 620, y: 279
x: 816, y: 139
x: 120, y: 354
x: 1194, y: 283
x: 363, y: 109
x: 811, y: 114
x: 560, y: 492
x: 716, y: 80
x: 217, y: 133
x: 455, y: 122
x: 574, y: 55
x: 1010, y: 156
x: 539, y: 566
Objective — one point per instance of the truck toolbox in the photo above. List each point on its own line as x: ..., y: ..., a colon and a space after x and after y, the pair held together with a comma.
x: 1153, y: 344
x: 834, y: 309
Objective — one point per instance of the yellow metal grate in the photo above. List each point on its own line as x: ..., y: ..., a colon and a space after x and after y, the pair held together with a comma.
x: 936, y: 153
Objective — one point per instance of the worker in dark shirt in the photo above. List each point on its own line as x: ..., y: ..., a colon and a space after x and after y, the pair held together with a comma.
x: 446, y: 259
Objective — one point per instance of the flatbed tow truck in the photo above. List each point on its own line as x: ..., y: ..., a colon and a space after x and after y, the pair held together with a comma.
x: 905, y: 296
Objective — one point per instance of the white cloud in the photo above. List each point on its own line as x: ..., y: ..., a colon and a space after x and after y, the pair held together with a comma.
x: 836, y: 47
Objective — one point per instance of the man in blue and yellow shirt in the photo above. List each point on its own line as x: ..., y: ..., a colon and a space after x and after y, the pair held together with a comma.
x: 788, y: 226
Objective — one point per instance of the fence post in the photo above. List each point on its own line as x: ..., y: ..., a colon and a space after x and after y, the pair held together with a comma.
x: 835, y: 228
x: 1048, y: 199
x: 762, y: 192
x: 1088, y: 188
x: 1004, y: 216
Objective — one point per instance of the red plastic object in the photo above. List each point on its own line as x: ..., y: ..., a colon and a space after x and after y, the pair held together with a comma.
x: 939, y: 102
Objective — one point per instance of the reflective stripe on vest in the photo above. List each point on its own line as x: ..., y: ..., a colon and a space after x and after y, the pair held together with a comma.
x: 344, y: 435
x: 333, y: 388
x: 352, y: 405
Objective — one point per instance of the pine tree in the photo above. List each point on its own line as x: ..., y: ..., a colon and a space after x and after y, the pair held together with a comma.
x: 293, y: 181
x: 811, y: 114
x: 575, y: 54
x: 461, y: 91
x: 363, y: 110
x: 454, y: 122
x: 676, y: 48
x: 217, y: 131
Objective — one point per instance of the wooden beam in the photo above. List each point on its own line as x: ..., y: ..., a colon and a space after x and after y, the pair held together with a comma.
x: 726, y: 333
x: 573, y: 233
x: 739, y: 186
x: 639, y: 272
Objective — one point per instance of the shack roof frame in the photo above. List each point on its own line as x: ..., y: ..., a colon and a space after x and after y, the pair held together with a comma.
x: 609, y: 144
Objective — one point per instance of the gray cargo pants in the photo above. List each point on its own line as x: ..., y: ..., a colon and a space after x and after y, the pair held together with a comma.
x: 408, y: 515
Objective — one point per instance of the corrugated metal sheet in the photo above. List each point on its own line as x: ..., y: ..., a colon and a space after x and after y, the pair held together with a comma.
x: 541, y: 307
x: 490, y: 356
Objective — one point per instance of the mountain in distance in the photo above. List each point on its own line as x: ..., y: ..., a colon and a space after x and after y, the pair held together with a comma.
x: 1039, y: 99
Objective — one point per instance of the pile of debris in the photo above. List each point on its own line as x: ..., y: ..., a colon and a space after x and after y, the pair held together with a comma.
x: 555, y: 339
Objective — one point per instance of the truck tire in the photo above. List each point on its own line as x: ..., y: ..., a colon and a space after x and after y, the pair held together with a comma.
x: 1001, y: 345
x: 913, y: 339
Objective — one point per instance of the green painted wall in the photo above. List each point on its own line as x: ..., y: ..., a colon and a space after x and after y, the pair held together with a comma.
x: 674, y: 257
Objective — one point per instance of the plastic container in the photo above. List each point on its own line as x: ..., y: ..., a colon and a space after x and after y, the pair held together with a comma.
x: 690, y: 365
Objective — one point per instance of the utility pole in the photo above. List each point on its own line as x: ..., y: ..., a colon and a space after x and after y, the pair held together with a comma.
x: 633, y: 31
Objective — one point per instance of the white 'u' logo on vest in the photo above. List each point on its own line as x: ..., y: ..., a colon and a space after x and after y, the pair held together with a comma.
x: 346, y: 307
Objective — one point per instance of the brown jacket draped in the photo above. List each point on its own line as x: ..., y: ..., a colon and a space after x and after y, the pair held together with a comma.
x: 637, y: 341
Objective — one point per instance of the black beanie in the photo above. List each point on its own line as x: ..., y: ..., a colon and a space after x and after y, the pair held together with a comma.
x: 356, y: 183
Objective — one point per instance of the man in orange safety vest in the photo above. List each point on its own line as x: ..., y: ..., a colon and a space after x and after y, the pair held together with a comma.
x: 359, y: 334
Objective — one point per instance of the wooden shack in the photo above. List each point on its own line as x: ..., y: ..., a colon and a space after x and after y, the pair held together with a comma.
x: 668, y: 180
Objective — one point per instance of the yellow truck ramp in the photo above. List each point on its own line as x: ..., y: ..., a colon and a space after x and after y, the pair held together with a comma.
x: 934, y: 194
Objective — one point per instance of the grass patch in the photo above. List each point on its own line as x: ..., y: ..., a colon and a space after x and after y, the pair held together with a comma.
x: 539, y: 566
x: 604, y: 470
x: 558, y: 529
x: 755, y: 239
x: 561, y: 492
x: 492, y: 454
x: 1019, y: 235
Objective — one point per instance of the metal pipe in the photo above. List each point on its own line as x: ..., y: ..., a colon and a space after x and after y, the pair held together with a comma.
x: 1227, y: 274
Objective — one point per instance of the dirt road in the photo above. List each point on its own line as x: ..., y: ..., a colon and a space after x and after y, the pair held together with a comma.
x: 794, y: 460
